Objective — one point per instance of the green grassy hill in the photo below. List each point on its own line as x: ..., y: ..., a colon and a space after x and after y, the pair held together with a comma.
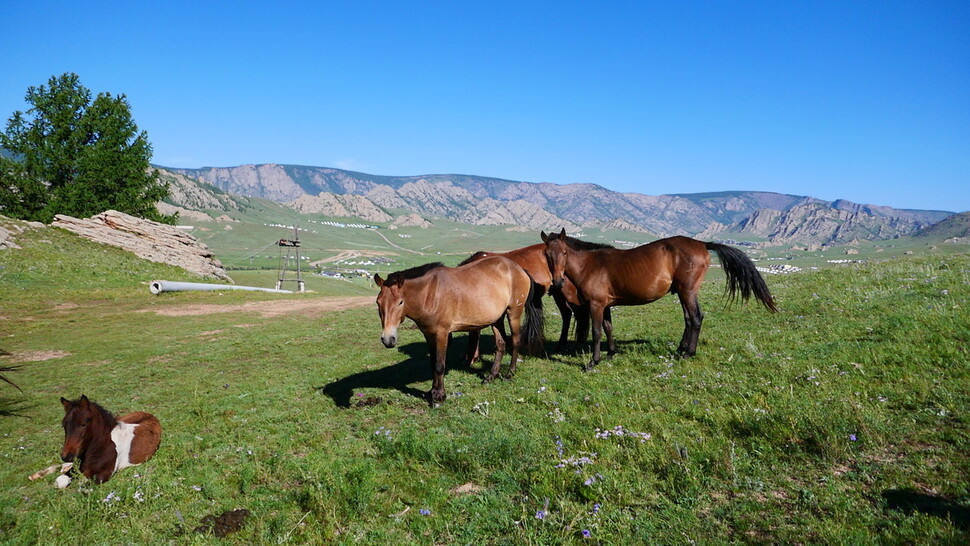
x: 841, y: 419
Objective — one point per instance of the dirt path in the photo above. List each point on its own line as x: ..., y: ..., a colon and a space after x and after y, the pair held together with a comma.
x: 267, y: 309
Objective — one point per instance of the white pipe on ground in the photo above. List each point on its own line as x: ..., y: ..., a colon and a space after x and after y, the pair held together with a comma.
x: 157, y: 287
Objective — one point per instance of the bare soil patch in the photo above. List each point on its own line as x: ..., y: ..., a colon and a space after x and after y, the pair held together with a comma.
x: 37, y: 356
x: 267, y: 309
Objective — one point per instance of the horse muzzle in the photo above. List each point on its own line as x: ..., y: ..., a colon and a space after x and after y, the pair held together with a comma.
x: 68, y: 457
x: 557, y: 283
x: 389, y: 341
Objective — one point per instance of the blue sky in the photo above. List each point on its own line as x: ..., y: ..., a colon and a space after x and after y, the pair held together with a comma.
x: 866, y: 101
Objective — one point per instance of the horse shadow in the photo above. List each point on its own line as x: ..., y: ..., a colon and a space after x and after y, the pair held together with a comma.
x: 910, y: 501
x: 416, y: 368
x: 574, y: 350
x: 10, y: 407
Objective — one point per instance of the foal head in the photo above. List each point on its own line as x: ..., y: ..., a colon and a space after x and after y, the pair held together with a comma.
x: 390, y: 300
x: 84, y: 421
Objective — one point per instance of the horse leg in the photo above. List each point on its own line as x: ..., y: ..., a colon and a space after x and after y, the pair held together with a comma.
x: 501, y: 340
x: 693, y: 317
x: 438, y: 347
x: 608, y: 328
x: 596, y: 313
x: 566, y: 313
x: 472, y: 353
x: 515, y: 324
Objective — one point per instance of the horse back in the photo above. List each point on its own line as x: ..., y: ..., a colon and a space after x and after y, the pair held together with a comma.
x: 479, y: 293
x: 505, y: 269
x: 147, y: 435
x: 645, y: 273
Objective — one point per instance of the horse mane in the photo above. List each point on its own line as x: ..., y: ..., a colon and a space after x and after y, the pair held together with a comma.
x: 474, y: 257
x: 398, y: 277
x: 579, y: 244
x: 109, y: 418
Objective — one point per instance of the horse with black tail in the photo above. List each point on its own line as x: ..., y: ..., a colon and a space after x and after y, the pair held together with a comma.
x: 607, y: 276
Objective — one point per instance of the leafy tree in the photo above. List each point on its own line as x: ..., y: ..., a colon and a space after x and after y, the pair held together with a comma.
x: 71, y: 155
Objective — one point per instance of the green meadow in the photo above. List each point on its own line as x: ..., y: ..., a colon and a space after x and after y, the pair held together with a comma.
x: 841, y: 419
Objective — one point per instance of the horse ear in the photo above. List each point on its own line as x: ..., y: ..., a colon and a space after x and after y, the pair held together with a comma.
x: 378, y: 280
x: 84, y: 401
x: 563, y: 232
x: 545, y: 238
x: 66, y: 403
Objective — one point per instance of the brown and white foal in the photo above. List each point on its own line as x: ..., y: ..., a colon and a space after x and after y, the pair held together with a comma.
x: 103, y: 443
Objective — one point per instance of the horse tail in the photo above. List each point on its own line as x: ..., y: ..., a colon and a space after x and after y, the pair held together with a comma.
x: 742, y: 276
x: 532, y: 333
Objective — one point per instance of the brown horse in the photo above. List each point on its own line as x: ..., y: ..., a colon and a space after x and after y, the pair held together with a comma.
x: 606, y: 276
x: 533, y: 259
x: 104, y: 443
x: 441, y: 300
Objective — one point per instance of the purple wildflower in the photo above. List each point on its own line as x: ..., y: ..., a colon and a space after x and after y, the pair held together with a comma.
x: 852, y: 437
x: 586, y: 533
x: 425, y: 512
x: 540, y: 514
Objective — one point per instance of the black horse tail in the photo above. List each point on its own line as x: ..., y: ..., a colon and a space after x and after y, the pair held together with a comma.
x: 532, y: 334
x: 742, y: 276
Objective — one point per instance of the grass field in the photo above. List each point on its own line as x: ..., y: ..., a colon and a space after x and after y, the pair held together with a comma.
x: 841, y: 419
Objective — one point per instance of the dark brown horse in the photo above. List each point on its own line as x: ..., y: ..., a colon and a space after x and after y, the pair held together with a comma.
x: 441, y: 300
x: 104, y: 443
x: 607, y: 276
x: 533, y: 259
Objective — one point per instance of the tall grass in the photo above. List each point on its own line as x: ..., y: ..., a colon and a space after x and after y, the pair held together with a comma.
x: 841, y: 419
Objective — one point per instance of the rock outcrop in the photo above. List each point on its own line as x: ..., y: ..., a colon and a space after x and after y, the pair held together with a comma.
x: 146, y: 239
x: 10, y: 228
x: 411, y: 220
x: 619, y: 224
x: 342, y: 206
x: 818, y: 222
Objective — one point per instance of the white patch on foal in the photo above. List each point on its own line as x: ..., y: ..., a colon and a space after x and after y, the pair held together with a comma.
x: 122, y: 436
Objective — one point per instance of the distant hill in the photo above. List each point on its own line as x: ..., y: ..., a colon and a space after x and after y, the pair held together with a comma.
x: 957, y: 225
x: 774, y: 217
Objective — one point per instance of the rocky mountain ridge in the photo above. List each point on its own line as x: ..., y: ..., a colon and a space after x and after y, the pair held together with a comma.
x: 778, y: 218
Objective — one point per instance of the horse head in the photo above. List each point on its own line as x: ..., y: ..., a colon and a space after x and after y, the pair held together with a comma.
x: 557, y: 252
x: 80, y: 420
x: 390, y: 307
x: 390, y: 300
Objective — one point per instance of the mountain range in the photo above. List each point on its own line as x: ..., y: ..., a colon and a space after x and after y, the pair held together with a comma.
x: 765, y: 216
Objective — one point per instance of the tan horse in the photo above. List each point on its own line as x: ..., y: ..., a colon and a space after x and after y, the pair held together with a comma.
x: 606, y: 276
x: 532, y: 258
x: 441, y: 300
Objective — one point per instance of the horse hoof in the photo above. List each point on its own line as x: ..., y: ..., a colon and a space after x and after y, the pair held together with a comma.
x: 435, y: 399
